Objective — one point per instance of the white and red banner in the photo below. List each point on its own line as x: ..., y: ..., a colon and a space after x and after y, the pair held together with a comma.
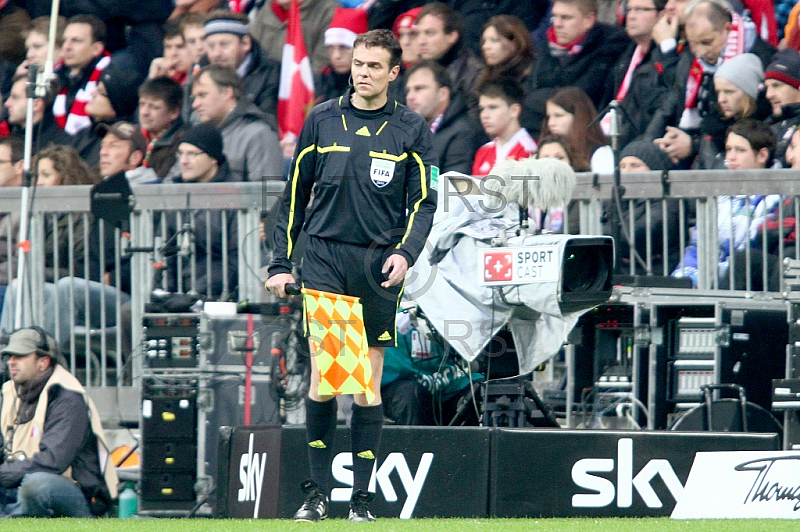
x: 296, y: 91
x: 519, y: 265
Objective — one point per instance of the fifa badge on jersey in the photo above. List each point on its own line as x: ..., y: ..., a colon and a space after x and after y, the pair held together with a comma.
x: 381, y: 172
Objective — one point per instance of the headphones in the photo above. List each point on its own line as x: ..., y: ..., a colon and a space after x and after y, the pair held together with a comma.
x: 43, y: 344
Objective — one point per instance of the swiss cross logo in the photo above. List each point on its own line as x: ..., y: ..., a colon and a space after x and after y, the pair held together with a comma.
x: 497, y: 266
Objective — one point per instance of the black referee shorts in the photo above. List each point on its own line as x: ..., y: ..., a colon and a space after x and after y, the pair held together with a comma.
x: 355, y: 271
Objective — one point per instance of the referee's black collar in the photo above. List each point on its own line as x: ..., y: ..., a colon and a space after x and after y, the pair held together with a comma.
x: 344, y: 102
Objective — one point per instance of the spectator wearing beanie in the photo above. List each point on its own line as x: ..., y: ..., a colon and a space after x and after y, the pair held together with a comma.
x: 228, y: 43
x: 334, y: 79
x: 738, y: 85
x: 114, y: 99
x: 202, y: 160
x: 644, y: 156
x: 782, y: 81
x: 201, y: 157
x: 268, y: 27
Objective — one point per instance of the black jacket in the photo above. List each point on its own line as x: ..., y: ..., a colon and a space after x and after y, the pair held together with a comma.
x: 67, y: 441
x: 711, y: 149
x: 650, y: 83
x: 207, y: 249
x: 463, y: 68
x: 783, y: 127
x: 328, y: 84
x: 371, y: 175
x: 586, y: 69
x: 46, y: 132
x: 640, y: 231
x: 457, y: 138
x: 125, y: 11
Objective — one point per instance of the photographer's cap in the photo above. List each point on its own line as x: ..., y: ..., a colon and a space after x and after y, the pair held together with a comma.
x: 25, y: 342
x: 124, y: 131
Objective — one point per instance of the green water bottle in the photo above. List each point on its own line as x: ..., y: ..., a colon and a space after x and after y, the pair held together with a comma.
x: 127, y: 502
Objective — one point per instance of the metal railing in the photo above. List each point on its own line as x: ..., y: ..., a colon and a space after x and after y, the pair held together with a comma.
x: 98, y: 324
x: 694, y: 196
x: 94, y: 330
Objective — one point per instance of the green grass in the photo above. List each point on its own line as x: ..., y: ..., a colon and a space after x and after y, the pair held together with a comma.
x: 413, y: 525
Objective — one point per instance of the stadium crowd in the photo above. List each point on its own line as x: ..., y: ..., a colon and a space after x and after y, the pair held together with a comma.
x: 493, y: 81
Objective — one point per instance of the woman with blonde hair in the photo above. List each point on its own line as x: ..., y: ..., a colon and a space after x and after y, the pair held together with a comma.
x: 737, y: 84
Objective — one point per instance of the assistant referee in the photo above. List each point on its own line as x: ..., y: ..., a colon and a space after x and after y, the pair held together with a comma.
x: 370, y: 164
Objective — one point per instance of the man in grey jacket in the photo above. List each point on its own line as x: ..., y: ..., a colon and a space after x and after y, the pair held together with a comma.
x: 251, y: 143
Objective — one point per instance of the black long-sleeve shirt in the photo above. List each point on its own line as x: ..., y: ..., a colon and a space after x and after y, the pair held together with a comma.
x: 370, y: 173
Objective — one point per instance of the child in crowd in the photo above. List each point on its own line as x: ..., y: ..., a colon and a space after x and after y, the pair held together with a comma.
x: 552, y: 220
x: 500, y: 104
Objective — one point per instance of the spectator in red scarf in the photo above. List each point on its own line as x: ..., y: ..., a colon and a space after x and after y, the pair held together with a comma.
x: 177, y: 59
x: 580, y: 52
x: 85, y: 58
x: 160, y: 101
x: 715, y: 34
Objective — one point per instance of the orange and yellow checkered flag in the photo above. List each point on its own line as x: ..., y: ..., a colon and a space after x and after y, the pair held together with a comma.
x: 335, y: 324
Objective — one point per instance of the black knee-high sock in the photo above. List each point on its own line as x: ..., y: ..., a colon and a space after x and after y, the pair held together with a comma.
x: 365, y: 433
x: 320, y: 430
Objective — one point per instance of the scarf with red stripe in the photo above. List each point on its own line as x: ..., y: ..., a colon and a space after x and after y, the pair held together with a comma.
x: 77, y: 119
x: 560, y: 50
x: 734, y: 47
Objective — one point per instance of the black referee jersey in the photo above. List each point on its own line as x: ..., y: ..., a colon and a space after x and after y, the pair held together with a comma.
x: 373, y: 175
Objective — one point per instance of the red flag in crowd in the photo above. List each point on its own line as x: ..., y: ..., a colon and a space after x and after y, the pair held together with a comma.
x: 762, y: 13
x: 240, y: 6
x: 296, y: 91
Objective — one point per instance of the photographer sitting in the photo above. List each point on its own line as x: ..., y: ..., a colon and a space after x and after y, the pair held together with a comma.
x: 55, y: 460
